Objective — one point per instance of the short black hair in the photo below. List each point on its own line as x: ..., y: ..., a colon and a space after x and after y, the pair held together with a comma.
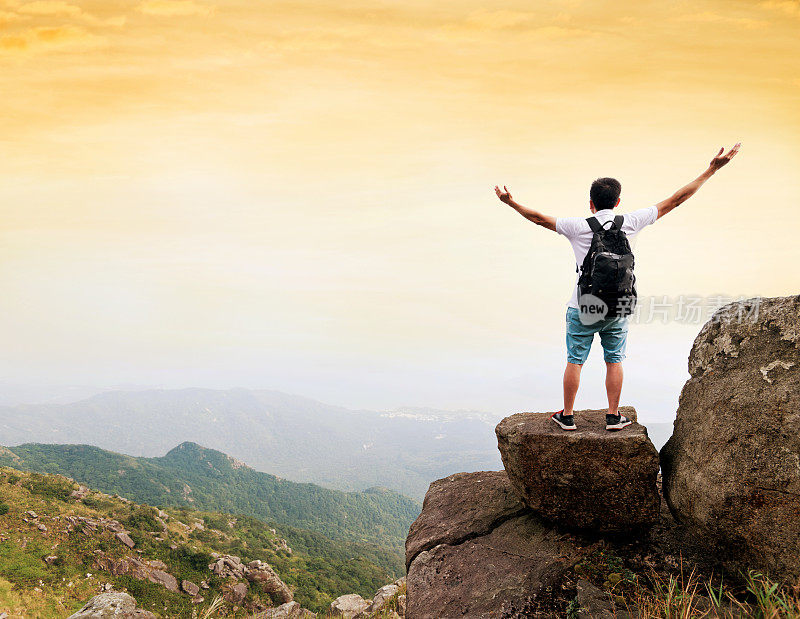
x: 605, y: 193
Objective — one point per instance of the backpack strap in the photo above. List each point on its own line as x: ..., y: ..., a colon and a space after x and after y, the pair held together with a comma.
x: 594, y: 224
x: 618, y: 221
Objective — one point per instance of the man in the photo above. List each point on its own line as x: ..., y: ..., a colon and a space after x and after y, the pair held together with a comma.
x: 613, y: 332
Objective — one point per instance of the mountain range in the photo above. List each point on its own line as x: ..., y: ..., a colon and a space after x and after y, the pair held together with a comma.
x: 290, y: 436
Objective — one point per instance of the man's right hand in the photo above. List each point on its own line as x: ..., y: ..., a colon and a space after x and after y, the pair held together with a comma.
x: 684, y: 193
x: 720, y: 160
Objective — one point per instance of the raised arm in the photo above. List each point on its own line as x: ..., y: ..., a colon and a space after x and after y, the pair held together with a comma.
x: 684, y: 193
x: 528, y: 213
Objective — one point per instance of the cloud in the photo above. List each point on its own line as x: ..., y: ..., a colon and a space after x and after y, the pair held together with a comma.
x: 792, y: 7
x: 49, y: 7
x: 175, y: 8
x: 6, y: 17
x: 710, y: 17
x: 526, y: 23
x: 43, y: 39
x: 498, y: 20
x: 310, y: 42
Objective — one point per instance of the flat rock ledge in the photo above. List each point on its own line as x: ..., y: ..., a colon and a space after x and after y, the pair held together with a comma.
x: 476, y: 549
x: 589, y: 478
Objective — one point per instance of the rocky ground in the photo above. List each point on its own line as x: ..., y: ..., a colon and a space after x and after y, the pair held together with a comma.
x: 578, y: 524
x: 64, y: 546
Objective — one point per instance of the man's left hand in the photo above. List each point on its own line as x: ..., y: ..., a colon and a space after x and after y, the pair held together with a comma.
x: 504, y: 196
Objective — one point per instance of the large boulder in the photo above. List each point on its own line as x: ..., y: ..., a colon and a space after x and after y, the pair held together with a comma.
x: 589, y: 478
x: 732, y: 466
x: 462, y: 505
x: 475, y: 550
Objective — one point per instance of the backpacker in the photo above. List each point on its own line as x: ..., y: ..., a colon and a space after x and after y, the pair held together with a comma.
x: 607, y: 270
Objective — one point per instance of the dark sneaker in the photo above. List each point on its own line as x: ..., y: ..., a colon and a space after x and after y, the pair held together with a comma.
x: 617, y: 422
x: 567, y: 422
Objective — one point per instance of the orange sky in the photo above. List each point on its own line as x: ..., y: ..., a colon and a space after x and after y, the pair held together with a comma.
x: 299, y: 195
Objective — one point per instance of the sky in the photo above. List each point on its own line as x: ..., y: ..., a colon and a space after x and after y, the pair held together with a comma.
x: 299, y: 195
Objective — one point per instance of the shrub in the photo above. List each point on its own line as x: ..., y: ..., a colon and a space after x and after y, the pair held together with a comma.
x: 4, y: 509
x: 143, y: 518
x: 49, y: 486
x: 196, y: 561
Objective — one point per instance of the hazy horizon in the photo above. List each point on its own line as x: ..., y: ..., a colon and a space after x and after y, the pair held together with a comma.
x: 299, y: 196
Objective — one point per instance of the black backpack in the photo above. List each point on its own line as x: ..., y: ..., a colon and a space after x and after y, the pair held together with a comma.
x: 607, y: 270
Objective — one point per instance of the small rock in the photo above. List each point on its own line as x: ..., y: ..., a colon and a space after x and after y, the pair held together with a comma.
x: 112, y: 604
x: 81, y: 493
x: 348, y: 606
x: 125, y: 539
x: 289, y: 610
x: 382, y: 596
x: 594, y: 603
x: 163, y: 578
x: 157, y: 563
x: 236, y: 594
x: 189, y: 587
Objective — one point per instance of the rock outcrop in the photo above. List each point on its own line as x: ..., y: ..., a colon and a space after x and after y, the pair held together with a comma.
x: 475, y: 548
x: 141, y: 569
x: 589, y: 478
x: 257, y: 572
x: 732, y: 466
x: 261, y: 573
x: 461, y: 506
x: 112, y: 604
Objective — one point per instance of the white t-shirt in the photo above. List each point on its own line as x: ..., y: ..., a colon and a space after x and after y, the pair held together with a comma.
x: 577, y: 230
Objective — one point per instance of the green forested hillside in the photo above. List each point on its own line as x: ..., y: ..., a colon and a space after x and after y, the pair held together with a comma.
x: 195, y: 477
x: 57, y: 550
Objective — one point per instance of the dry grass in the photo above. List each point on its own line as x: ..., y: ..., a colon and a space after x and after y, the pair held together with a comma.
x: 689, y: 597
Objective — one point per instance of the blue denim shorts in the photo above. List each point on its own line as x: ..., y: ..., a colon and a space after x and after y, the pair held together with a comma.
x: 613, y: 336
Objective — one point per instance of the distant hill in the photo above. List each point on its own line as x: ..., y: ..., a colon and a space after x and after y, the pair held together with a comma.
x: 290, y: 436
x: 195, y: 477
x: 58, y: 550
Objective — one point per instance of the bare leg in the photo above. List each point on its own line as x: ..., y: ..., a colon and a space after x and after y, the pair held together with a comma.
x: 572, y: 380
x: 613, y: 386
